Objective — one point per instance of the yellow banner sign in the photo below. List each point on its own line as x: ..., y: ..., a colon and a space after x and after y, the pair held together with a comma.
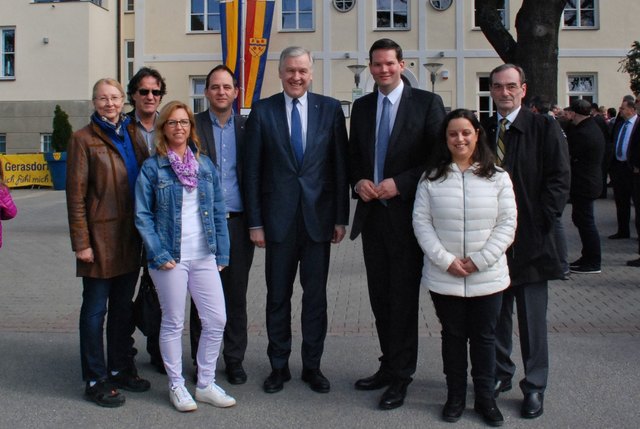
x: 25, y: 170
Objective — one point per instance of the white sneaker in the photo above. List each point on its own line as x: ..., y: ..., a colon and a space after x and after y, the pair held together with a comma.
x: 181, y: 399
x: 214, y: 395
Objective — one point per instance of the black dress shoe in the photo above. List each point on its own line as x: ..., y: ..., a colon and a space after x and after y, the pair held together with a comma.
x: 618, y: 236
x: 394, y: 396
x: 501, y: 386
x: 316, y: 380
x: 453, y: 409
x: 130, y: 381
x: 158, y: 365
x: 377, y: 381
x: 235, y: 373
x: 275, y: 382
x: 634, y: 263
x: 532, y: 406
x: 489, y: 411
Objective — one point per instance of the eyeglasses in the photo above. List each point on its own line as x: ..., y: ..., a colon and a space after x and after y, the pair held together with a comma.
x: 145, y: 92
x: 509, y: 86
x: 105, y: 100
x: 184, y: 123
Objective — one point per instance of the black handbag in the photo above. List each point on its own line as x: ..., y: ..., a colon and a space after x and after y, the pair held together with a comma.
x: 146, y: 307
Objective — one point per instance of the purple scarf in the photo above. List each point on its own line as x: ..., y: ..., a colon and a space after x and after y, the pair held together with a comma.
x: 187, y: 170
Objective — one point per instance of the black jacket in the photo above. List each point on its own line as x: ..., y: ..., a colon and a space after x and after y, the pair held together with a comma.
x: 586, y: 148
x: 537, y: 159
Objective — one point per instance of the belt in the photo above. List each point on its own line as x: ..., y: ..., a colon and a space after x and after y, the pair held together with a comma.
x: 231, y: 215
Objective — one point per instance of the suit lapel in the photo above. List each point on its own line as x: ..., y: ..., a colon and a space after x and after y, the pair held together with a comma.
x: 402, y: 113
x: 282, y: 127
x: 208, y: 137
x: 313, y: 117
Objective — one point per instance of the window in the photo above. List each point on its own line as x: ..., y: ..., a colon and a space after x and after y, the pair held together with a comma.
x: 3, y: 143
x: 129, y: 5
x: 344, y: 5
x: 129, y: 58
x: 45, y: 143
x: 485, y: 102
x: 392, y: 14
x: 582, y: 86
x: 502, y: 11
x: 580, y: 14
x: 7, y: 52
x: 297, y: 15
x: 205, y: 15
x: 198, y: 102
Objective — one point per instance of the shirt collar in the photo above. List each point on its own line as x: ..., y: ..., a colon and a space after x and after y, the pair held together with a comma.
x: 511, y: 116
x: 216, y: 122
x: 302, y: 99
x: 394, y: 95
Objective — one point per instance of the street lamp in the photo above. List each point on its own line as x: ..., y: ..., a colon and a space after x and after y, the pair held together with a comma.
x: 433, y: 68
x: 356, y: 92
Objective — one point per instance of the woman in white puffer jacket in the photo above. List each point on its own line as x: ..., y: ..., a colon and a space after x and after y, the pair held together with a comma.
x: 464, y: 218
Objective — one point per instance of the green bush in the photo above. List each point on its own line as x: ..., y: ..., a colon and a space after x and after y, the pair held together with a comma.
x: 61, y: 130
x: 631, y: 65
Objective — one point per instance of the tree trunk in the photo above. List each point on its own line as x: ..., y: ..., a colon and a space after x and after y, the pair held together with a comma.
x: 536, y: 48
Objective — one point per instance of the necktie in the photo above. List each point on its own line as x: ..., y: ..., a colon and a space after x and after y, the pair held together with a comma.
x: 296, y: 132
x: 621, y: 136
x: 383, y: 139
x: 502, y: 150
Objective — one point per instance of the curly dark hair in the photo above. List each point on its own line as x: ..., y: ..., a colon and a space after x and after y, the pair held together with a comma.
x: 441, y: 156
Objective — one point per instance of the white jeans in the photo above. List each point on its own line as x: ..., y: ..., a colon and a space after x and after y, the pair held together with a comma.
x: 202, y: 279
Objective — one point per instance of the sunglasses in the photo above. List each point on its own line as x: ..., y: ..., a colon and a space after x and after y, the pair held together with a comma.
x: 145, y: 92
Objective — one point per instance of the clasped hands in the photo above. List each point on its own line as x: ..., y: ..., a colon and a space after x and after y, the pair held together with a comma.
x: 462, y: 267
x: 369, y: 191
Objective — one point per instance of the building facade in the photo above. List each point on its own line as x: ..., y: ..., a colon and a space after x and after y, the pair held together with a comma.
x: 53, y: 51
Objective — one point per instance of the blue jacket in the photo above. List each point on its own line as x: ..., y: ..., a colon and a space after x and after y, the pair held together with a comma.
x: 159, y: 207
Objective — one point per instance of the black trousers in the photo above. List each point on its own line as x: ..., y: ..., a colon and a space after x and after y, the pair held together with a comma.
x: 531, y: 300
x: 470, y: 320
x: 622, y: 181
x: 282, y: 261
x: 393, y: 261
x: 235, y: 280
x: 583, y: 219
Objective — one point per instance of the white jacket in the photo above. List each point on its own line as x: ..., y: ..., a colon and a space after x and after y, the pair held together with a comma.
x: 464, y: 215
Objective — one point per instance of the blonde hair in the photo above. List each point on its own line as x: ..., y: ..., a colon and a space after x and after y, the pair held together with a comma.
x: 107, y: 81
x: 163, y: 117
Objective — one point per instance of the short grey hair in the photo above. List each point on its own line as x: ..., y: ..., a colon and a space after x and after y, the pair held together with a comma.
x: 294, y: 51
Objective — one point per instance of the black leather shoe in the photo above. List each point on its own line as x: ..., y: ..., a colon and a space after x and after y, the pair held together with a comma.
x: 130, y: 381
x: 501, y: 386
x: 634, y: 263
x: 377, y: 381
x: 235, y: 373
x: 316, y: 380
x: 453, y: 409
x: 275, y: 382
x: 394, y: 396
x: 489, y: 411
x: 618, y: 236
x: 532, y: 406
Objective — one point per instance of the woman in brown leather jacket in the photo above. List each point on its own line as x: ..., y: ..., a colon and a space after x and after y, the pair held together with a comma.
x: 103, y: 162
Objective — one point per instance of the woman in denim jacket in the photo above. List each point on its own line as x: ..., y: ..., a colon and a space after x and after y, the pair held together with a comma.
x: 180, y: 214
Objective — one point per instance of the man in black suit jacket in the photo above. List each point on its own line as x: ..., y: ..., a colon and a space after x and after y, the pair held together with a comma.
x: 221, y: 135
x: 633, y: 161
x: 535, y: 154
x: 297, y: 201
x: 383, y: 215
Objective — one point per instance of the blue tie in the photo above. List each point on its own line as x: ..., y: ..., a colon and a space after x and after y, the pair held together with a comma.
x: 621, y: 136
x: 296, y: 131
x: 383, y: 139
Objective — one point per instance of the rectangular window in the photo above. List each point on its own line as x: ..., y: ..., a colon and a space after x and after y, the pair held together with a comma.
x: 392, y: 14
x: 45, y: 143
x: 502, y: 11
x: 581, y: 14
x: 484, y: 101
x: 205, y: 15
x: 297, y: 15
x: 3, y: 143
x: 7, y: 52
x: 129, y: 58
x: 129, y: 5
x: 582, y: 86
x: 198, y: 102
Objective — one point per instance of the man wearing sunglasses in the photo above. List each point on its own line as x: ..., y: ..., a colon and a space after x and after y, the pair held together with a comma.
x: 145, y: 91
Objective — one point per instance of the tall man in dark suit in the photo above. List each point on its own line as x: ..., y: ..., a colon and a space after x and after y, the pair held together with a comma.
x: 222, y: 136
x: 387, y: 158
x: 633, y: 159
x: 533, y: 150
x: 620, y: 168
x: 297, y: 202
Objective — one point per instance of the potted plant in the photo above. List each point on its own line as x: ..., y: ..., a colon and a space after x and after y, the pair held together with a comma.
x: 57, y: 159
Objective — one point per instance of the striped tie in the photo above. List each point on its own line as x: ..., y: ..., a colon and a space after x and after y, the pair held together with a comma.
x: 502, y: 150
